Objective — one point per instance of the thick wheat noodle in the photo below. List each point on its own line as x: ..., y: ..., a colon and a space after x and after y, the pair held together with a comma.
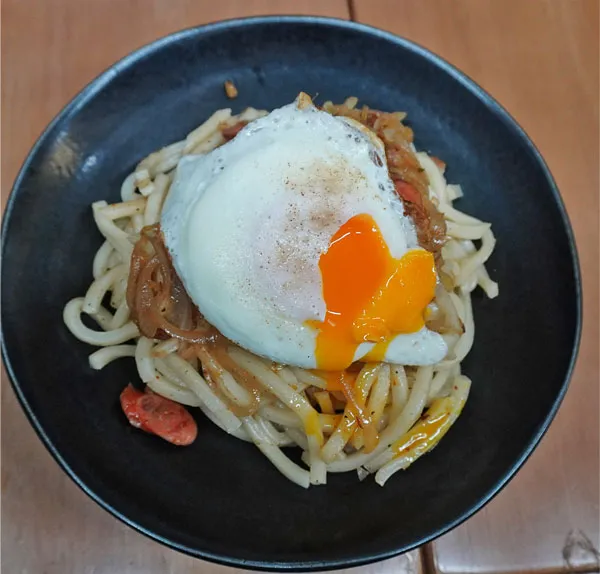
x: 241, y: 402
x: 143, y: 359
x: 114, y: 259
x: 102, y: 357
x: 399, y: 390
x: 124, y: 209
x: 72, y: 318
x: 289, y: 378
x: 355, y: 418
x: 318, y: 467
x: 248, y: 115
x: 378, y: 389
x: 457, y: 249
x: 453, y: 192
x: 166, y: 388
x: 162, y: 160
x: 196, y: 383
x: 461, y: 231
x: 104, y: 318
x: 98, y: 289
x: 246, y: 380
x: 288, y: 468
x: 143, y: 181
x: 458, y: 217
x: 137, y: 222
x: 357, y: 440
x: 309, y: 378
x: 121, y: 316
x: 213, y: 141
x: 128, y: 188
x: 239, y: 432
x: 324, y: 401
x: 340, y: 436
x: 439, y: 380
x: 357, y: 399
x: 281, y: 416
x: 295, y: 401
x: 460, y: 349
x: 436, y: 178
x: 163, y: 368
x: 166, y: 348
x: 407, y: 418
x: 464, y: 344
x: 155, y: 200
x: 119, y: 290
x: 115, y: 236
x: 100, y: 265
x: 459, y: 397
x: 365, y: 380
x: 272, y: 435
x: 379, y: 394
x: 300, y: 439
x: 477, y: 259
x: 286, y: 416
x: 485, y: 282
x: 204, y: 131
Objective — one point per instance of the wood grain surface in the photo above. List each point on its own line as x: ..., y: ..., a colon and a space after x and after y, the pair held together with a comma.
x: 539, y: 58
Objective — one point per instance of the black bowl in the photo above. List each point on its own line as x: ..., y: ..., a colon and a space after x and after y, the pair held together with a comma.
x: 220, y: 499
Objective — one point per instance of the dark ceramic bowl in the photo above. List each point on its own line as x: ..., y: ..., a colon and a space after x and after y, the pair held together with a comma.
x: 220, y: 499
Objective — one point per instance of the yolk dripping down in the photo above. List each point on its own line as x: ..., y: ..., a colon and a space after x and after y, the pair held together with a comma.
x: 333, y: 380
x: 369, y: 295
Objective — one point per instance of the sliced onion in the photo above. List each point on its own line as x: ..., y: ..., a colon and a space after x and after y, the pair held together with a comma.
x: 157, y: 299
x: 445, y: 320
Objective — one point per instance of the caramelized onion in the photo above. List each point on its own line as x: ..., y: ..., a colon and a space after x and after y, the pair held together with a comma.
x: 446, y: 319
x: 405, y: 170
x: 213, y: 372
x: 243, y: 377
x: 215, y: 362
x: 158, y: 302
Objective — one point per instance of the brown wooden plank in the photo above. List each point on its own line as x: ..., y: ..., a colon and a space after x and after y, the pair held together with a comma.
x: 539, y: 58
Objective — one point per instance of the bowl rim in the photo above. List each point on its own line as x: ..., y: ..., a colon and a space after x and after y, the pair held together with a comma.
x: 103, y: 79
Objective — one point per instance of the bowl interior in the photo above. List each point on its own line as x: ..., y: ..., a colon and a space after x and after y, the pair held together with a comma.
x: 220, y: 498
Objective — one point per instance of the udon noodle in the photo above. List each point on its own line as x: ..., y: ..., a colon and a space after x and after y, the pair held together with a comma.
x: 379, y: 424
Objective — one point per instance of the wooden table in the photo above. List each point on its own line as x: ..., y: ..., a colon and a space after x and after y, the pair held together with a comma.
x: 540, y: 59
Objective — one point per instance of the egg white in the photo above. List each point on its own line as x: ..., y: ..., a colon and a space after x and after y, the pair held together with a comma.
x: 246, y: 224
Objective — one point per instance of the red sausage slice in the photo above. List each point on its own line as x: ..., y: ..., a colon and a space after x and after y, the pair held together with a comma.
x: 157, y: 415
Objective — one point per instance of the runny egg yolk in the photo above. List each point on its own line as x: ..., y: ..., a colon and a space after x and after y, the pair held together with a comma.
x: 369, y: 295
x: 333, y: 379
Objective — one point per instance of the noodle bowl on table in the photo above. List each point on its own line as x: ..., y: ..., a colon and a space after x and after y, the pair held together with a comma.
x: 303, y: 277
x: 290, y: 289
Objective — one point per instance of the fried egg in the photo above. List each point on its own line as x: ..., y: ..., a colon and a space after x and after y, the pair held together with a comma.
x: 292, y: 242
